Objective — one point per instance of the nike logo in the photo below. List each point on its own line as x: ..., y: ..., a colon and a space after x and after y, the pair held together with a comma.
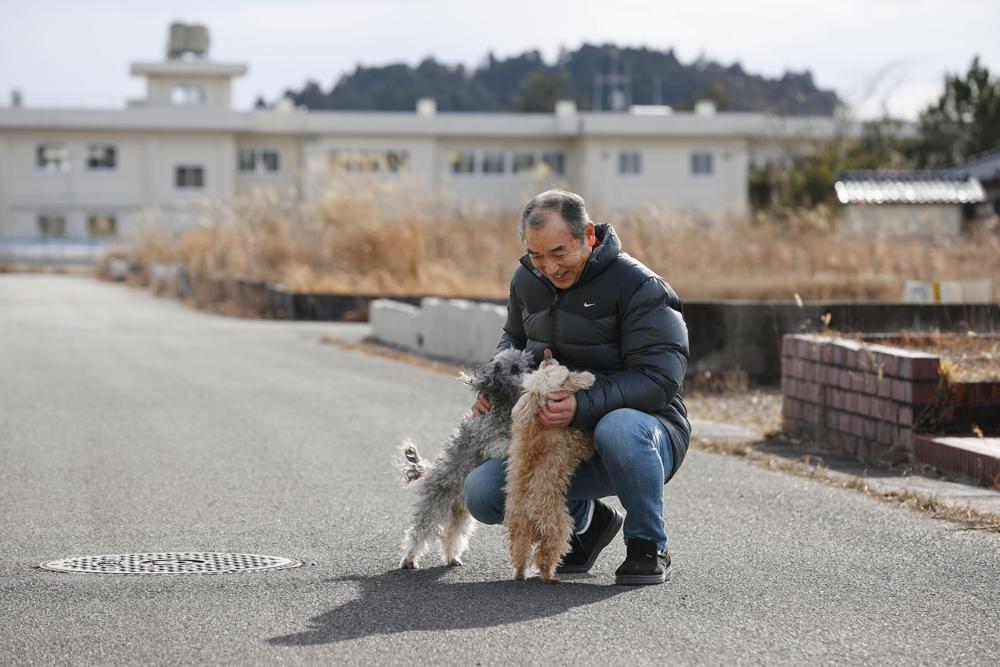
x: 588, y: 305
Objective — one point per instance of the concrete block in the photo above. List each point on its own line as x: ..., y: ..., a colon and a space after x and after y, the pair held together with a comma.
x: 460, y: 332
x: 434, y: 326
x: 118, y: 269
x: 396, y: 323
x: 489, y: 320
x: 948, y: 291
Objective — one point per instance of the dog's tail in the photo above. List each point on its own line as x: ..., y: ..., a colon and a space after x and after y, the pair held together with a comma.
x: 413, y: 466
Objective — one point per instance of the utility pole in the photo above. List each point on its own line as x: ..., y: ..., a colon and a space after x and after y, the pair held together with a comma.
x: 618, y: 84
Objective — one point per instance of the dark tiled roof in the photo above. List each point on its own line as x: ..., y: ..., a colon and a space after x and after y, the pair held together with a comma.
x: 908, y: 187
x: 985, y: 166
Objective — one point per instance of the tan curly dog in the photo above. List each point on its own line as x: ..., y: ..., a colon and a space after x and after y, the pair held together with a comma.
x: 540, y: 465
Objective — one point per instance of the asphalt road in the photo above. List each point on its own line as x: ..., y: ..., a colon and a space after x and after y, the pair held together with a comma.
x: 133, y: 424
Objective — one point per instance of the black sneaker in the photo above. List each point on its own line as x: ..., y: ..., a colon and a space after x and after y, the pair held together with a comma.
x: 604, y: 525
x: 643, y: 565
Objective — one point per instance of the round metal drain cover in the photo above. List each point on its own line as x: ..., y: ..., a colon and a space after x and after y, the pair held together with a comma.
x: 176, y: 562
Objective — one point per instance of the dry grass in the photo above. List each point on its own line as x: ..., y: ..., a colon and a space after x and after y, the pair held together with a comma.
x: 378, y: 350
x: 808, y: 467
x: 964, y: 358
x: 757, y: 410
x: 396, y: 241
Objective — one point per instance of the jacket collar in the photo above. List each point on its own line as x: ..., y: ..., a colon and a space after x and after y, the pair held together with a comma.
x: 601, y: 257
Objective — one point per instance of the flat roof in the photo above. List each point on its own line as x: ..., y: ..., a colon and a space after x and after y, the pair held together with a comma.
x: 446, y: 124
x: 187, y: 68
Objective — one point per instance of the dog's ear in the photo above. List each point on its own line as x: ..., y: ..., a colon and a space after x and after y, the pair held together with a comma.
x: 526, y: 408
x: 481, y: 380
x: 577, y: 381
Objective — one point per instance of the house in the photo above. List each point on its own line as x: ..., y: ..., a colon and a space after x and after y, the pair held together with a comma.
x: 906, y: 203
x: 77, y: 178
x: 986, y: 169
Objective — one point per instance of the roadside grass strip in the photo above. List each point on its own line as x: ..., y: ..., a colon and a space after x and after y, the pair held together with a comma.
x: 812, y: 467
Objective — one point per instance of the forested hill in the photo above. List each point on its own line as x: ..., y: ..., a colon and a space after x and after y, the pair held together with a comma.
x: 527, y: 83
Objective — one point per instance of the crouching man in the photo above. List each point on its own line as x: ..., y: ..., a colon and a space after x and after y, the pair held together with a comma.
x: 578, y: 294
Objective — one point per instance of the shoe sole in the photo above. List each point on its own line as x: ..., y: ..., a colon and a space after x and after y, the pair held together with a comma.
x: 609, y: 534
x: 642, y: 579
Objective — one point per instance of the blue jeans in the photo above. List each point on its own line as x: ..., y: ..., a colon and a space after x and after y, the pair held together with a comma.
x: 633, y: 461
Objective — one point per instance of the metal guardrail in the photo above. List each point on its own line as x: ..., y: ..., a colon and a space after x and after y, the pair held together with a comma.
x: 53, y: 250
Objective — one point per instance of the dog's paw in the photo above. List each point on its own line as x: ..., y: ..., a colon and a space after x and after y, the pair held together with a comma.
x: 408, y: 564
x: 552, y: 580
x: 455, y: 562
x: 410, y: 452
x: 412, y: 467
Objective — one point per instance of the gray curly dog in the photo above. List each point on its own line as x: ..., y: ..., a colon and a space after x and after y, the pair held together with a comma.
x: 440, y: 509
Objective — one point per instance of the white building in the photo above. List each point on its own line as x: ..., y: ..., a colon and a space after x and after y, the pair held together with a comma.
x: 73, y: 175
x: 898, y: 204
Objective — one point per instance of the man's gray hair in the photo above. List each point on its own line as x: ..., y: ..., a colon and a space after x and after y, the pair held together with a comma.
x: 568, y: 205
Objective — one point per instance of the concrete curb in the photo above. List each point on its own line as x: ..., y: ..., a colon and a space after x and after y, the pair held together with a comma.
x: 453, y: 329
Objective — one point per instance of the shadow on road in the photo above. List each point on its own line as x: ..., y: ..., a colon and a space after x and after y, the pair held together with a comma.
x: 404, y: 600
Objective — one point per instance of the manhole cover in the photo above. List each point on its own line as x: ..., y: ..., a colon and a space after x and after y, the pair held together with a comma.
x: 183, y: 562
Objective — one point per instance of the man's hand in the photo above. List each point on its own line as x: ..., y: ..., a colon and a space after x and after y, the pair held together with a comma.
x: 481, y: 407
x: 559, y: 410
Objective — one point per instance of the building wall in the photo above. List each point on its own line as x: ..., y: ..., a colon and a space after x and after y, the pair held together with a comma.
x: 152, y: 142
x: 504, y: 190
x: 665, y: 178
x: 176, y: 208
x: 73, y: 193
x: 290, y: 164
x: 898, y: 220
x: 217, y: 90
x: 320, y: 172
x: 143, y: 178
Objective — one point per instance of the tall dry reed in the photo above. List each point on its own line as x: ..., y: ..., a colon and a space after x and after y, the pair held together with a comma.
x: 382, y: 240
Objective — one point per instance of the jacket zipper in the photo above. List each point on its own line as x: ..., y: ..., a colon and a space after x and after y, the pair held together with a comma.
x: 555, y: 321
x: 555, y: 301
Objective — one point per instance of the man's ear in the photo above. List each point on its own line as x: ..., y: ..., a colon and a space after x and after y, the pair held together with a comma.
x: 577, y: 381
x: 590, y: 235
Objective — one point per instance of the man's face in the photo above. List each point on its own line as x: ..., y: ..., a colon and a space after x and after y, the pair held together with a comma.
x: 556, y: 253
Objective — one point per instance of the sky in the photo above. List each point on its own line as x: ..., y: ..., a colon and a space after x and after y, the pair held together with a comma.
x: 877, y: 54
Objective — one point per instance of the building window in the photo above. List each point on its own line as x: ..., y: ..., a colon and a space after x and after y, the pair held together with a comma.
x: 52, y: 157
x: 493, y: 162
x: 520, y: 162
x: 523, y: 162
x: 701, y: 164
x: 189, y: 177
x: 188, y: 95
x: 397, y: 161
x: 555, y: 161
x: 247, y: 160
x: 258, y: 161
x: 630, y: 162
x: 463, y: 162
x: 348, y: 161
x: 102, y: 225
x: 269, y: 161
x: 101, y: 156
x: 370, y: 161
x: 51, y: 225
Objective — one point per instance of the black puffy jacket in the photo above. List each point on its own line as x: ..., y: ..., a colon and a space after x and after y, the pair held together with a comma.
x: 620, y: 321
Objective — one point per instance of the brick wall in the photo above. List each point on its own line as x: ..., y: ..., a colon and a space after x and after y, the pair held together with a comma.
x: 856, y: 398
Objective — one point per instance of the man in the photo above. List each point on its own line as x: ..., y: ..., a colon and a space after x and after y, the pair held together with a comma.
x: 594, y: 307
